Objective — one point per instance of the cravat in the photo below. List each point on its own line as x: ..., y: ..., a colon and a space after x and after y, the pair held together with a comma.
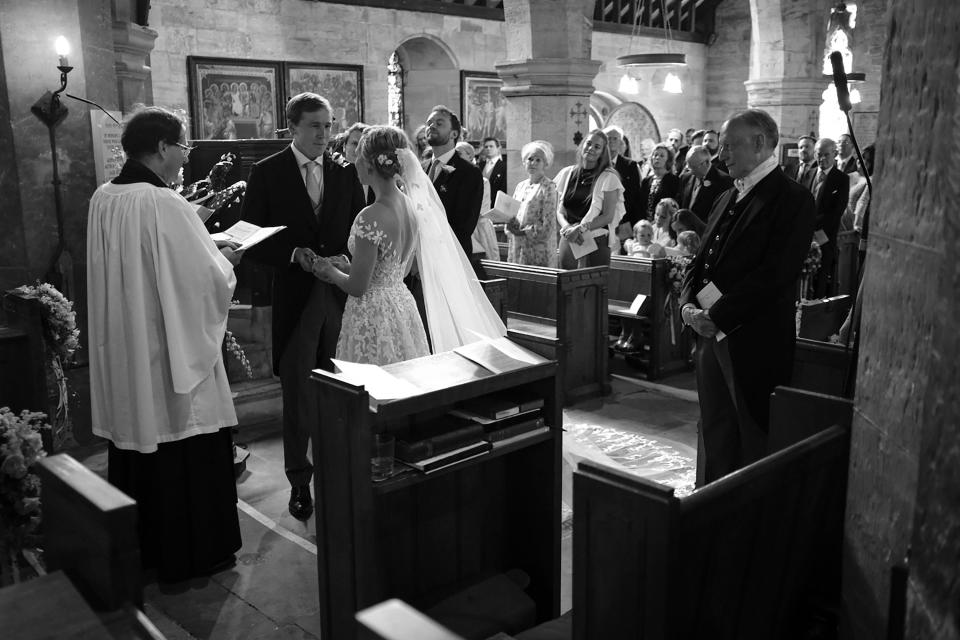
x: 696, y: 189
x: 801, y: 172
x: 435, y: 170
x: 314, y: 183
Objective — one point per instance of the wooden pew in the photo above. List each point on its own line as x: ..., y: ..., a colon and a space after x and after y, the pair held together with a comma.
x: 665, y: 346
x: 821, y: 367
x: 796, y: 414
x: 496, y: 290
x: 560, y: 314
x: 90, y: 532
x: 734, y: 559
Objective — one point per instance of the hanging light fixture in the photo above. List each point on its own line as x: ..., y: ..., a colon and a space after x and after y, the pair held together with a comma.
x: 672, y: 84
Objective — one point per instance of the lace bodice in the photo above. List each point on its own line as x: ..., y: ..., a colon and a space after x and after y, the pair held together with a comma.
x: 395, y: 245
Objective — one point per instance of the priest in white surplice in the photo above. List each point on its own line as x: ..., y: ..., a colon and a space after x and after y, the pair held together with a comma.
x: 158, y: 292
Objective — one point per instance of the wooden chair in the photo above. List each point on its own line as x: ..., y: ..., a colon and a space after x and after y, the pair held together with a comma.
x: 560, y: 314
x: 820, y: 319
x: 665, y: 347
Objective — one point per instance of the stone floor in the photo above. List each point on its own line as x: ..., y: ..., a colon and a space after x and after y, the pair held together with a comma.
x: 644, y: 428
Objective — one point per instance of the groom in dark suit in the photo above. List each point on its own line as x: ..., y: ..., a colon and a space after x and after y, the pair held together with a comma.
x: 316, y: 198
x: 458, y: 182
x: 754, y: 245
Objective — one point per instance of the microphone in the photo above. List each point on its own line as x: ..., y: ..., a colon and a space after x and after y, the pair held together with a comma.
x: 840, y: 82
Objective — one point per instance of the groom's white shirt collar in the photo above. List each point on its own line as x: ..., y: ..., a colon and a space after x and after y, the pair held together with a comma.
x: 445, y: 158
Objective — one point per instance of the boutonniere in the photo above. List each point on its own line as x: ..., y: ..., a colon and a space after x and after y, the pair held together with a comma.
x: 706, y: 183
x: 443, y: 188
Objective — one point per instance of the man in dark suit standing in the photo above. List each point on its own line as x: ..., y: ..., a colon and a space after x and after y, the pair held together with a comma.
x: 494, y: 168
x: 847, y: 162
x: 629, y: 172
x: 702, y: 184
x: 831, y: 190
x: 316, y: 198
x: 458, y: 182
x: 807, y: 165
x: 738, y: 295
x: 711, y: 140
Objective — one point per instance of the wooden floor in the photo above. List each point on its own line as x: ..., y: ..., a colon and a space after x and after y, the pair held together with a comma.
x: 272, y: 590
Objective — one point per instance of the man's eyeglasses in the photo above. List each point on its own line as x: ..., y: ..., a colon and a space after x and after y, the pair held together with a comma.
x: 186, y: 148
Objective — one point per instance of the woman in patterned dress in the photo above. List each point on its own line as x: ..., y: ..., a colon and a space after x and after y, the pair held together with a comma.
x: 533, y: 233
x: 381, y: 323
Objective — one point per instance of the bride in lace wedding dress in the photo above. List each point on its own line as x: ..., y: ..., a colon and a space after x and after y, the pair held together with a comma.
x: 380, y: 322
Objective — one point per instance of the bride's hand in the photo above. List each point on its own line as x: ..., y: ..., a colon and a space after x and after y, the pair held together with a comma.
x: 323, y: 269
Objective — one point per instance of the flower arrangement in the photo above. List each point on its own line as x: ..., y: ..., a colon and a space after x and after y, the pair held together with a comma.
x: 20, y: 448
x: 233, y: 348
x: 676, y: 275
x: 811, y: 264
x: 59, y: 318
x: 63, y: 339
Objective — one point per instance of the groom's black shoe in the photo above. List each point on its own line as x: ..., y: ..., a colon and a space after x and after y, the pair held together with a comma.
x: 301, y: 504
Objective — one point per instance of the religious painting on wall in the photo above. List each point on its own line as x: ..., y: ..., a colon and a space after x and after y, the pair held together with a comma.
x: 233, y: 99
x: 482, y: 108
x: 638, y: 126
x: 341, y: 84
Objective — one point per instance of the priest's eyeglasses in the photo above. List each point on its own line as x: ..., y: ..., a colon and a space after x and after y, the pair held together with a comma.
x: 187, y: 149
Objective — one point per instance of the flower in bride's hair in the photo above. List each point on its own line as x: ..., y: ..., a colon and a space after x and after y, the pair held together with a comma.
x: 385, y: 160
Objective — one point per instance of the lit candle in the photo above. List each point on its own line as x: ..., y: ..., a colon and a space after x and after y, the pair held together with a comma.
x: 63, y: 50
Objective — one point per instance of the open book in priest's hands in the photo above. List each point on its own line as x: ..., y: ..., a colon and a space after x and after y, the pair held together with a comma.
x: 246, y: 234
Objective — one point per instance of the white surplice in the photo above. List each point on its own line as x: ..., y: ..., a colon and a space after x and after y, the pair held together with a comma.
x: 158, y: 294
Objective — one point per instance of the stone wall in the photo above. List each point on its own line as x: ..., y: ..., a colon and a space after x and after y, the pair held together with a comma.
x: 728, y: 62
x: 346, y: 34
x: 904, y: 483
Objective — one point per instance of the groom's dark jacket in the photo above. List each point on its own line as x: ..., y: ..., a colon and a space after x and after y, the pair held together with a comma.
x: 460, y: 186
x: 276, y: 195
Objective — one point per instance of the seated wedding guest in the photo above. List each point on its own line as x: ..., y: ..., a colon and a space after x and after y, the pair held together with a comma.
x: 686, y: 220
x: 533, y: 233
x: 484, y: 236
x: 688, y: 242
x: 591, y: 199
x: 642, y: 244
x: 158, y: 293
x: 660, y: 184
x: 663, y: 233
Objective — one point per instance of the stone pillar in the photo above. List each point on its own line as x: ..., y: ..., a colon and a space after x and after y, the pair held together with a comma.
x: 793, y: 102
x: 904, y: 479
x: 132, y: 43
x: 547, y: 72
x: 786, y: 79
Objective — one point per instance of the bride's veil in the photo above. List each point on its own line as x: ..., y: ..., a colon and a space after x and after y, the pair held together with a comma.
x: 457, y: 308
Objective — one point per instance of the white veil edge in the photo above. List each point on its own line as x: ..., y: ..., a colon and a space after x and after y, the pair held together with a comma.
x: 457, y: 308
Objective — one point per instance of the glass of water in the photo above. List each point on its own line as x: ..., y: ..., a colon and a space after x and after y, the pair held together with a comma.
x: 381, y: 460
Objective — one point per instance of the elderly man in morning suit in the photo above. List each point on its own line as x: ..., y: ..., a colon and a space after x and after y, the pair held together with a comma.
x: 702, y: 184
x: 831, y: 191
x: 739, y: 295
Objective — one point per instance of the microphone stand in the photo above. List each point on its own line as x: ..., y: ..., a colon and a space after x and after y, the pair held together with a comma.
x: 849, y: 379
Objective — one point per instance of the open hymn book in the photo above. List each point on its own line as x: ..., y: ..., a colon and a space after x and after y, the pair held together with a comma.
x: 431, y: 373
x: 246, y: 234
